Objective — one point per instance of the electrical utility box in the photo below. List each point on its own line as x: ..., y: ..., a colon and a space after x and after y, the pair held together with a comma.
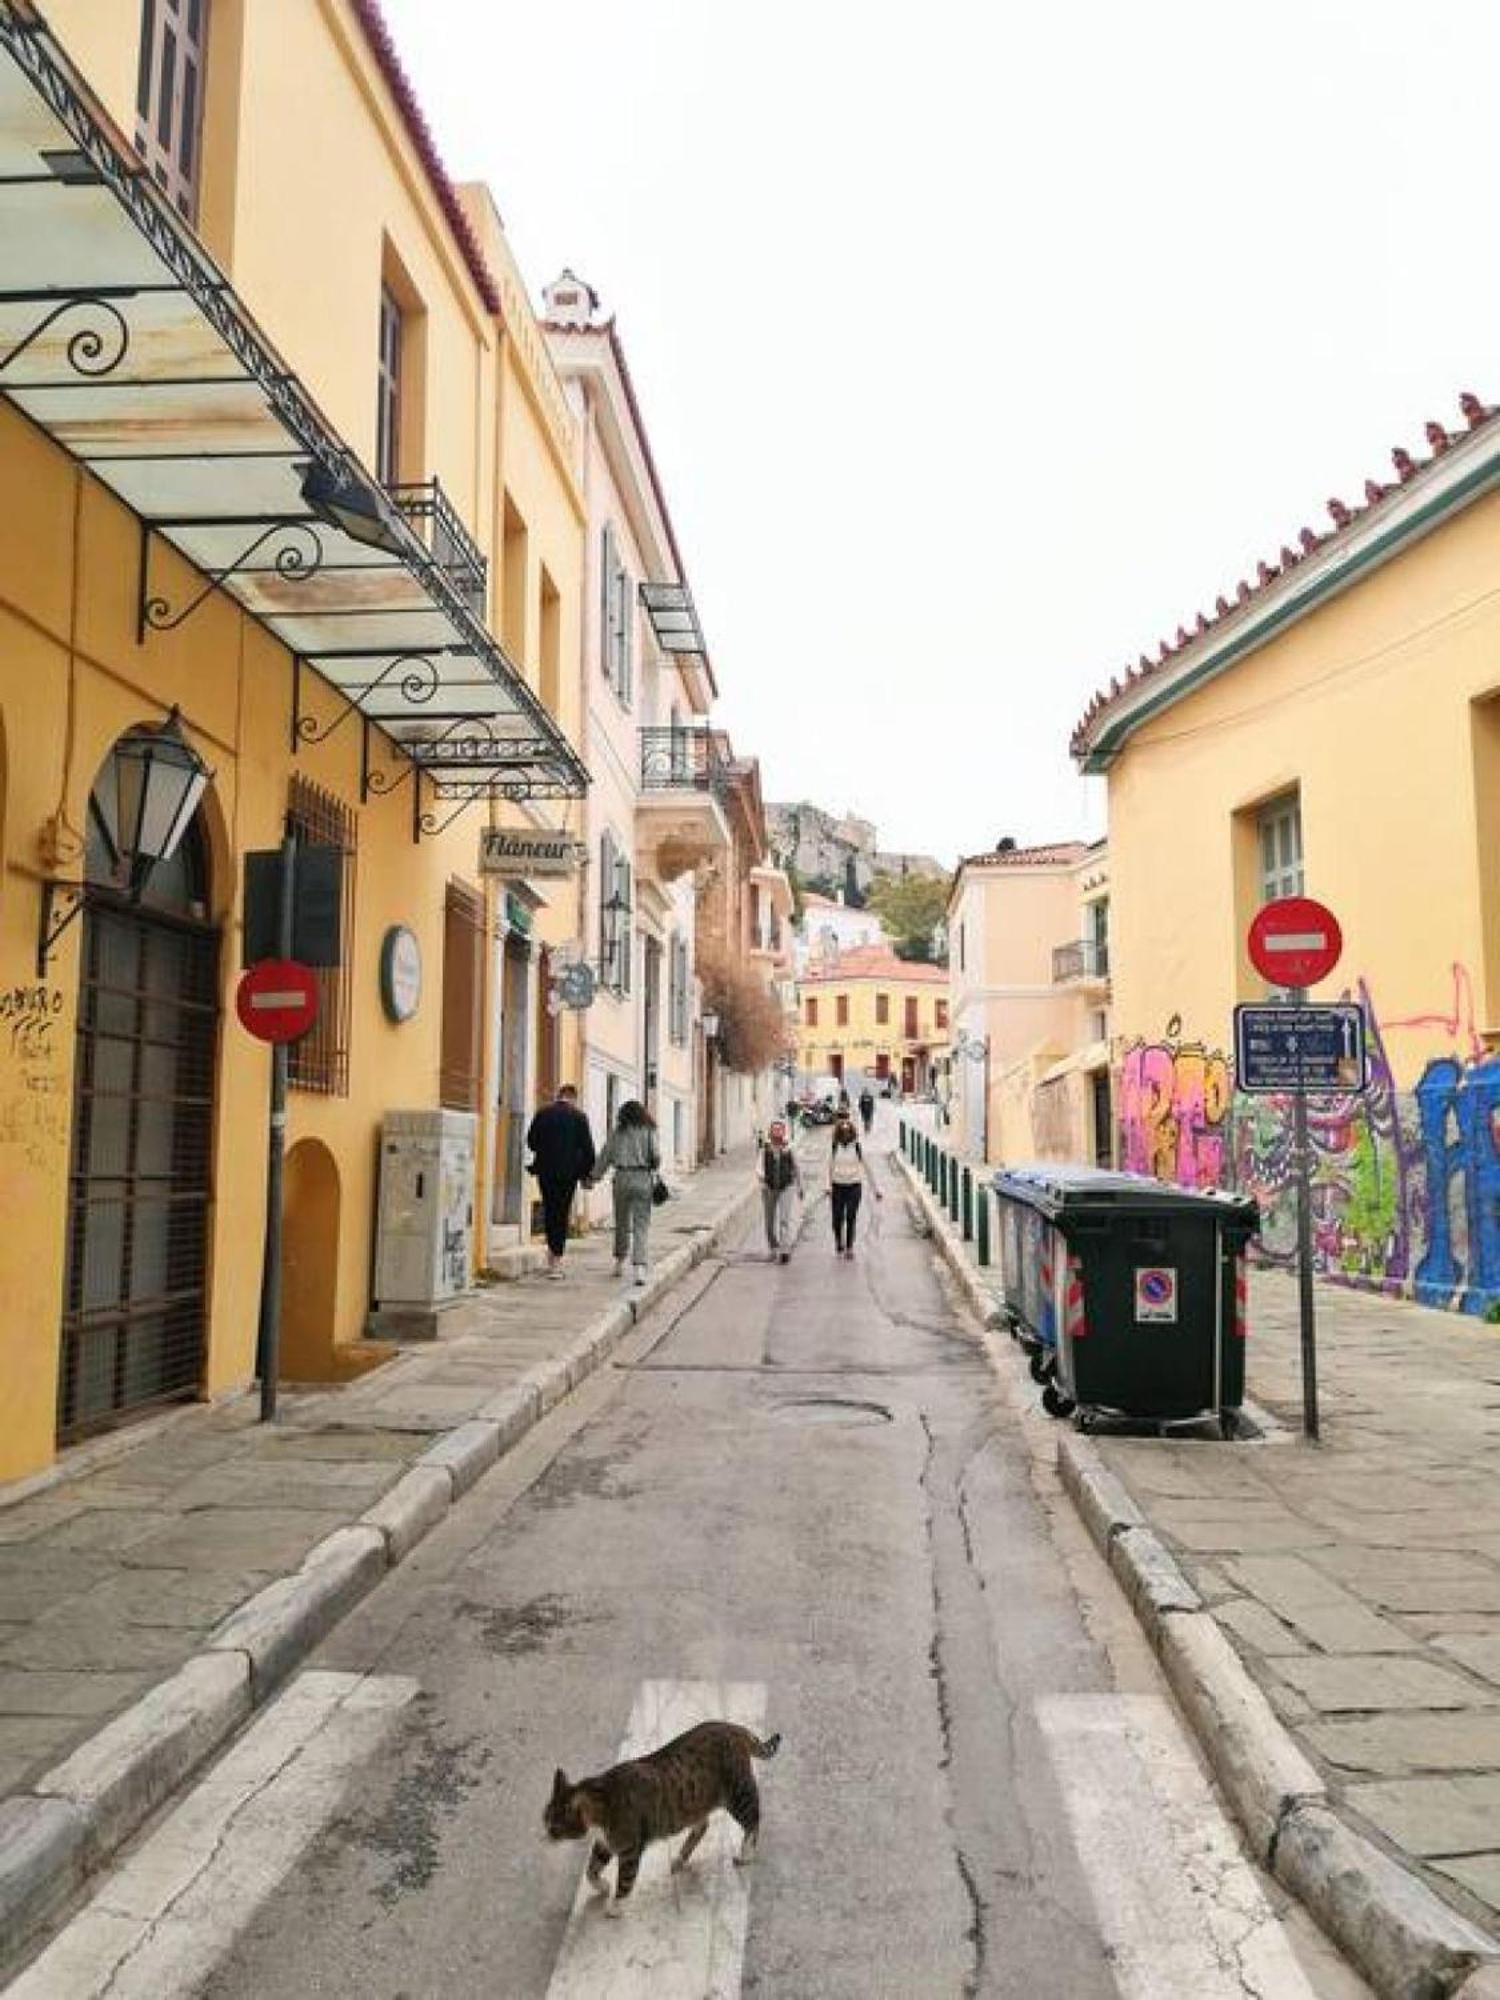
x: 425, y: 1233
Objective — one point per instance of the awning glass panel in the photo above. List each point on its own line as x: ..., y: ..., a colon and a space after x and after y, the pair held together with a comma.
x: 122, y: 340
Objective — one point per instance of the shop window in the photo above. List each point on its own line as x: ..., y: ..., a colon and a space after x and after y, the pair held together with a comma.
x: 463, y: 975
x: 169, y: 97
x: 320, y: 1061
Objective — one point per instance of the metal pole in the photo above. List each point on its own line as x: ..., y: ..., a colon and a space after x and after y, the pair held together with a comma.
x: 982, y: 1223
x: 268, y: 1337
x: 968, y: 1205
x: 1301, y: 1146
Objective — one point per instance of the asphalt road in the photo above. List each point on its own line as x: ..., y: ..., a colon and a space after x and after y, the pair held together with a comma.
x: 809, y: 1487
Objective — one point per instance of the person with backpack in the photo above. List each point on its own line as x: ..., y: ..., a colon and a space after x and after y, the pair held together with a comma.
x: 780, y: 1181
x: 848, y: 1170
x: 562, y: 1149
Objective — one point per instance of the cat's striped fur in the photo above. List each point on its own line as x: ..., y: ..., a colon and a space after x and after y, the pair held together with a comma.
x: 672, y: 1790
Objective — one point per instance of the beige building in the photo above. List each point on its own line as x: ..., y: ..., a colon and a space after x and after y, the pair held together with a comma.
x: 1028, y: 971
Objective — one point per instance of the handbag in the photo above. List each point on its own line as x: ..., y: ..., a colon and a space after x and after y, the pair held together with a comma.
x: 660, y: 1192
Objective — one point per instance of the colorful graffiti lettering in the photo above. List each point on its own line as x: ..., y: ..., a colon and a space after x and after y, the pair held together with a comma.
x: 1174, y: 1099
x: 1405, y: 1183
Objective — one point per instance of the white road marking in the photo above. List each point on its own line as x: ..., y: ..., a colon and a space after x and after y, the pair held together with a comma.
x: 1179, y: 1906
x: 679, y: 1937
x: 163, y: 1920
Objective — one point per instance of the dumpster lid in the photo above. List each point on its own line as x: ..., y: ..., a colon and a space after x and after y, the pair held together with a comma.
x: 1063, y: 1187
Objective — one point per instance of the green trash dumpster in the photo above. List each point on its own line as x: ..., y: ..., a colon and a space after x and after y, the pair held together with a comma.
x: 1128, y: 1294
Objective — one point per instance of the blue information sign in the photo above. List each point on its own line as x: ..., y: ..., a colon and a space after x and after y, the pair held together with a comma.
x: 1300, y: 1048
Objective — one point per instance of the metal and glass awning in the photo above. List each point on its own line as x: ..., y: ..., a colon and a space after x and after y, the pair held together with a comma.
x: 122, y: 340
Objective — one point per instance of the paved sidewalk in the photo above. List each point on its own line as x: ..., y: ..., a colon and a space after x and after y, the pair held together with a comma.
x: 1359, y: 1578
x: 112, y: 1579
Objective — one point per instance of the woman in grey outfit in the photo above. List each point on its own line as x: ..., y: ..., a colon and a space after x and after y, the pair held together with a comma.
x: 632, y: 1152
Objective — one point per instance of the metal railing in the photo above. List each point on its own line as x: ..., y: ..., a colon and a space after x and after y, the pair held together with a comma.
x: 1085, y: 958
x: 674, y: 760
x: 447, y: 540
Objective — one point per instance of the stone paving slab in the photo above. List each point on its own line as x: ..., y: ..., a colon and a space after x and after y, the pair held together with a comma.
x: 112, y: 1578
x: 1359, y: 1578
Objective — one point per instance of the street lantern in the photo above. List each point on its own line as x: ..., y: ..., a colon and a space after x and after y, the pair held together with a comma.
x: 710, y: 1026
x: 353, y: 506
x: 149, y: 792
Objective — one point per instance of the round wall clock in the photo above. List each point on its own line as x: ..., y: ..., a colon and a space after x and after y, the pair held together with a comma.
x: 400, y: 973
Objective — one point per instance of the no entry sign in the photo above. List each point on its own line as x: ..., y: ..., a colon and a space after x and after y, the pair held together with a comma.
x: 1295, y: 941
x: 277, y: 1000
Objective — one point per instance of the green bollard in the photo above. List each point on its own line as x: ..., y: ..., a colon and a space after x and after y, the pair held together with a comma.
x: 903, y: 1138
x: 982, y: 1226
x: 967, y: 1184
x: 953, y: 1189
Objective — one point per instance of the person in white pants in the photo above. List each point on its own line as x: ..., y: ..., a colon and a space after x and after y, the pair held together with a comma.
x: 780, y: 1183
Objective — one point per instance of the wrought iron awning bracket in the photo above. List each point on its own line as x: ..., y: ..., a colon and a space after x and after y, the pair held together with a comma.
x: 372, y: 781
x: 51, y: 930
x: 295, y: 562
x: 418, y: 686
x: 91, y: 352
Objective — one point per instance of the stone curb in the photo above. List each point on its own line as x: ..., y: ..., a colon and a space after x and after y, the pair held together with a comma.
x: 70, y: 1821
x: 981, y: 1298
x: 1408, y: 1942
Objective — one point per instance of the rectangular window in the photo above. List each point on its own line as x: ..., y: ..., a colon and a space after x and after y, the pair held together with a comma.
x: 910, y: 1030
x: 388, y: 391
x: 625, y: 637
x: 609, y: 603
x: 812, y: 1012
x: 463, y: 972
x: 169, y: 97
x: 320, y: 1061
x: 1279, y: 838
x: 882, y: 1010
x: 942, y: 1013
x: 841, y: 1011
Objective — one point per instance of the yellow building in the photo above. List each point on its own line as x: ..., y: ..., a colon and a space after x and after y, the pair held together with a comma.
x: 1029, y: 980
x: 866, y: 1016
x: 1333, y: 729
x: 280, y: 453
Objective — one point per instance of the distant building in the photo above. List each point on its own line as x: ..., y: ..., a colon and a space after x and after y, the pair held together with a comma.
x: 870, y: 1016
x: 829, y: 928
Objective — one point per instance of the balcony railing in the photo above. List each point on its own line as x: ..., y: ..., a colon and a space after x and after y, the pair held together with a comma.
x: 447, y: 540
x: 676, y: 760
x: 1085, y: 958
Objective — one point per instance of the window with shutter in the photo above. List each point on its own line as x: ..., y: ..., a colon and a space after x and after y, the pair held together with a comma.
x: 626, y: 684
x: 463, y: 966
x: 627, y: 928
x: 169, y: 96
x: 606, y: 916
x: 608, y: 565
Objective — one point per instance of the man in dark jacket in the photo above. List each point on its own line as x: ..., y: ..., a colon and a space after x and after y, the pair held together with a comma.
x: 562, y: 1149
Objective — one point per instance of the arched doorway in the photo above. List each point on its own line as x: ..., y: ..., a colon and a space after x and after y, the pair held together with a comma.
x: 309, y: 1270
x: 143, y: 1100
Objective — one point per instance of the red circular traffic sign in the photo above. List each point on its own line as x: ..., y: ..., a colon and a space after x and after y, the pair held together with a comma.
x: 277, y: 1000
x: 1295, y: 941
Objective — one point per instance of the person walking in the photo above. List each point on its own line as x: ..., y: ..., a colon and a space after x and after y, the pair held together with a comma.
x: 562, y: 1149
x: 632, y: 1154
x: 867, y: 1109
x: 848, y: 1170
x: 780, y: 1180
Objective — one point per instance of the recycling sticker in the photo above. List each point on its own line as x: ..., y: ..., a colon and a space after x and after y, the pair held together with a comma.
x: 1156, y: 1294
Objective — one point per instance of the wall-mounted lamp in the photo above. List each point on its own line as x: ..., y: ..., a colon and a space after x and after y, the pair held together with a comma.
x: 975, y: 1047
x: 710, y: 1026
x: 353, y: 506
x: 150, y: 791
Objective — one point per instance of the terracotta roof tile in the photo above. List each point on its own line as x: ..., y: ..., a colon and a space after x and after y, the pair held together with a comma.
x: 1476, y: 414
x: 877, y: 961
x: 383, y: 48
x: 1048, y: 855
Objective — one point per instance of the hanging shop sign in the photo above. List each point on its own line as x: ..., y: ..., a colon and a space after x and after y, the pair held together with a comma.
x: 400, y: 973
x: 505, y: 850
x: 574, y: 986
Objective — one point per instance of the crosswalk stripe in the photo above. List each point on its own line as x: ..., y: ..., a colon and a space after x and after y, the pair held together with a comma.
x: 1180, y: 1908
x: 163, y: 1920
x: 680, y: 1937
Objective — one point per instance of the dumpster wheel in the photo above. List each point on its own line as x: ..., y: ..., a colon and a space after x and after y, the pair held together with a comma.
x: 1041, y: 1363
x: 1054, y: 1402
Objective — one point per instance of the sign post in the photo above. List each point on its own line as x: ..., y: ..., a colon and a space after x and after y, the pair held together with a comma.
x: 1293, y: 943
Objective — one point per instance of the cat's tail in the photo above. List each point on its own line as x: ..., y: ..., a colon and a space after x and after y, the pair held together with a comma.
x: 768, y: 1748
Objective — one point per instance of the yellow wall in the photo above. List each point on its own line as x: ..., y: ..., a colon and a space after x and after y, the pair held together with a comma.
x: 864, y: 1037
x: 1371, y: 708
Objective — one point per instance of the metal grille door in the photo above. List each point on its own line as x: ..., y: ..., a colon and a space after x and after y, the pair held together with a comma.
x: 139, y: 1181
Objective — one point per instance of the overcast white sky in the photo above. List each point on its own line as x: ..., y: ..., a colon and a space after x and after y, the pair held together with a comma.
x: 980, y: 344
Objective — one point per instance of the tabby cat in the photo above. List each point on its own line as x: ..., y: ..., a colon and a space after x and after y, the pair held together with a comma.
x: 672, y: 1790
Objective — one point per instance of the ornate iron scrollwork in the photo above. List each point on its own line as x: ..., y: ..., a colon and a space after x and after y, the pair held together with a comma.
x: 296, y: 561
x: 93, y: 351
x: 418, y: 684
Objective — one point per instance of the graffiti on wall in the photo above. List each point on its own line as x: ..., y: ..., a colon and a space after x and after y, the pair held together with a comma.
x: 1174, y: 1100
x: 33, y: 1114
x: 1405, y: 1182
